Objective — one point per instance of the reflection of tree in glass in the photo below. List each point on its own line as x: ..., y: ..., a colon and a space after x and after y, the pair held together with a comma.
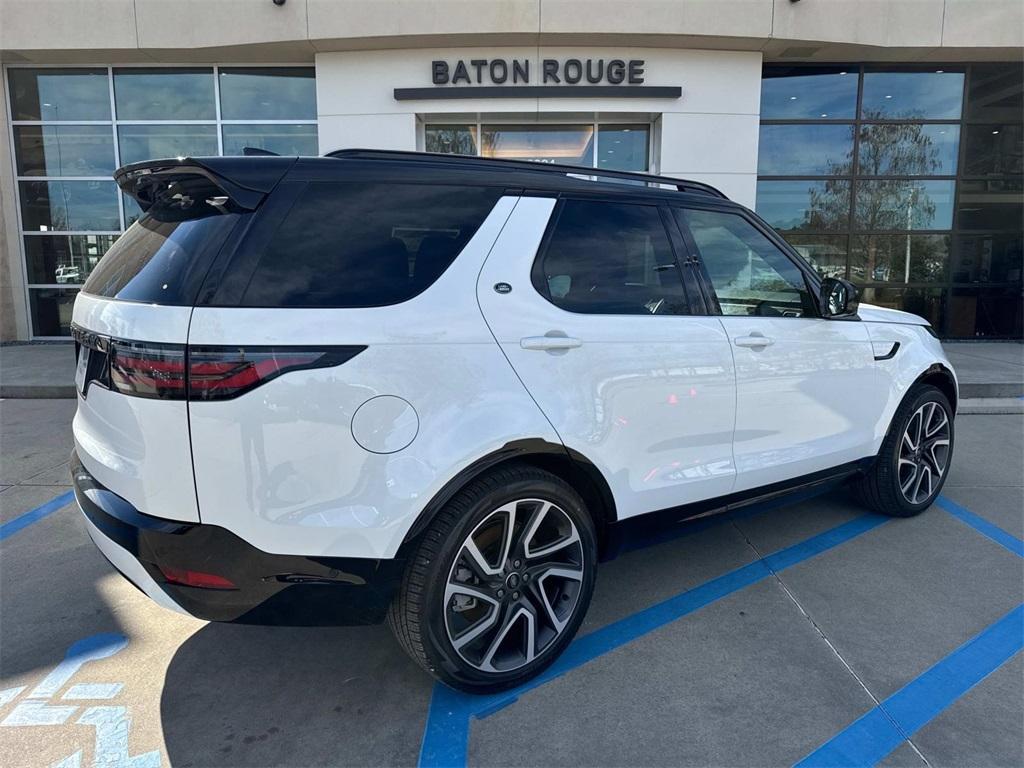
x: 453, y: 141
x: 886, y: 149
x: 489, y: 142
x: 886, y: 256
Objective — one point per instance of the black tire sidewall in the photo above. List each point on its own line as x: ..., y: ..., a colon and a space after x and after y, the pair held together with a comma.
x: 456, y: 671
x: 925, y: 394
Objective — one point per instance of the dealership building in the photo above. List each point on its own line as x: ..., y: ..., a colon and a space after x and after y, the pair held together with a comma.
x: 881, y: 138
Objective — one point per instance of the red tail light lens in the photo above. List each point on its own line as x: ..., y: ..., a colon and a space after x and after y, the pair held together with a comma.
x: 219, y: 373
x: 148, y: 370
x: 178, y: 372
x: 195, y: 578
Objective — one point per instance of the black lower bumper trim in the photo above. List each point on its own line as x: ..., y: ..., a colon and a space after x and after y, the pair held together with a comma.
x: 271, y: 589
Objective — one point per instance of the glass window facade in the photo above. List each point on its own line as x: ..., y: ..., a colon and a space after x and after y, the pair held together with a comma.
x: 908, y: 181
x: 616, y: 146
x: 73, y: 126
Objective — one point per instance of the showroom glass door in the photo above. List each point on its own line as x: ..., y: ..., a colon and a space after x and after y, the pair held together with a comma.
x: 613, y: 146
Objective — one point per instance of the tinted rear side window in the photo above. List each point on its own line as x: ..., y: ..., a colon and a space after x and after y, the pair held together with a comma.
x: 610, y: 259
x: 348, y: 244
x: 162, y: 258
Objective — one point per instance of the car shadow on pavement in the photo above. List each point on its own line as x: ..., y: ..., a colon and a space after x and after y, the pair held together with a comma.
x: 253, y: 695
x: 54, y: 589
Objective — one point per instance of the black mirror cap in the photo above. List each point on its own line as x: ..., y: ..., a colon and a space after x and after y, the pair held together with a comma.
x: 839, y: 299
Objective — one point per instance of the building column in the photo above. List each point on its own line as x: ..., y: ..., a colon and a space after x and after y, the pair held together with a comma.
x: 14, y: 323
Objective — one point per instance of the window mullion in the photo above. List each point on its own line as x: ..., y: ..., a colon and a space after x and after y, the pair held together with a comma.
x: 216, y: 107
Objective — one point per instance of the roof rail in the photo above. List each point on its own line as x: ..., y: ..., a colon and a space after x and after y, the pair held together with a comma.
x: 575, y: 171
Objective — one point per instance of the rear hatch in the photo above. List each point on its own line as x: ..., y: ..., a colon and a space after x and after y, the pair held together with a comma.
x: 131, y: 323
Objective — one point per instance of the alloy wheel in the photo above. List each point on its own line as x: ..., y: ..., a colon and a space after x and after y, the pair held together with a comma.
x: 514, y: 585
x: 924, y: 452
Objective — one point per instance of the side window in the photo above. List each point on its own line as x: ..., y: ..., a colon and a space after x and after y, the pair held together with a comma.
x: 751, y: 276
x: 610, y: 259
x: 348, y: 244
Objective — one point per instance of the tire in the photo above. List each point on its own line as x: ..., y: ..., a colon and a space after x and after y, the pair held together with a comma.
x: 895, y: 484
x: 453, y: 605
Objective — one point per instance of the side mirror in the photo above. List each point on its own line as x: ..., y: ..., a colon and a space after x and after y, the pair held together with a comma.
x: 839, y: 298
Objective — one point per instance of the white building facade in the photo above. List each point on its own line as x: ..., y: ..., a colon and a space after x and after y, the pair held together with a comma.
x: 883, y: 138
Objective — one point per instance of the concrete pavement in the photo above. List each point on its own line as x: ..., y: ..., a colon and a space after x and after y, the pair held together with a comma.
x: 713, y: 651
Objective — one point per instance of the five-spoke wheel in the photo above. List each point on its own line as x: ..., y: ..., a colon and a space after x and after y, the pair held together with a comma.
x: 914, y: 459
x: 924, y: 452
x: 514, y: 585
x: 500, y: 580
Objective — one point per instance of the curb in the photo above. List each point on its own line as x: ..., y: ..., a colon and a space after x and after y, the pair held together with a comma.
x: 972, y: 391
x: 37, y: 391
x: 990, y: 406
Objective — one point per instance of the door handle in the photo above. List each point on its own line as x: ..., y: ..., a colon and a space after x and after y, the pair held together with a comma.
x: 755, y: 339
x: 549, y: 343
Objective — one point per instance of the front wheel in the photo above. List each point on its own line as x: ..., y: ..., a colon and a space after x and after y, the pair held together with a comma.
x: 914, y: 459
x: 499, y: 582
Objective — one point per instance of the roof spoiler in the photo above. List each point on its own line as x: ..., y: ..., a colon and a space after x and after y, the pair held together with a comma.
x: 244, y: 180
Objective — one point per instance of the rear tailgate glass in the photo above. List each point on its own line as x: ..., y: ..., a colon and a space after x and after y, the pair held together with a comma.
x: 163, y: 257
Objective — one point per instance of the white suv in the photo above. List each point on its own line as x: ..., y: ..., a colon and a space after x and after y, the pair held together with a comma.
x: 439, y: 389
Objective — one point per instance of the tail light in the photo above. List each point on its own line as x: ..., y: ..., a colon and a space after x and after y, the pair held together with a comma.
x: 219, y: 373
x: 148, y: 370
x: 180, y: 372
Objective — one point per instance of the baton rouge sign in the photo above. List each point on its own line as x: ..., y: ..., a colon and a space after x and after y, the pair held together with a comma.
x: 517, y: 78
x: 572, y: 71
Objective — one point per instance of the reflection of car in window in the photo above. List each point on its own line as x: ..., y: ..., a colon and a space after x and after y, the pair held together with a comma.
x: 436, y: 390
x: 69, y: 273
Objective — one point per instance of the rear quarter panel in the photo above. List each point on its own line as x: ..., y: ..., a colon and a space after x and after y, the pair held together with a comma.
x: 279, y: 466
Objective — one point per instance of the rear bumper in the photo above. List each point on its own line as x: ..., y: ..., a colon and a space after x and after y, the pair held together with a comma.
x: 271, y: 589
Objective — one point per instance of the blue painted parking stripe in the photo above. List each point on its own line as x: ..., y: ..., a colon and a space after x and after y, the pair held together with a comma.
x: 982, y: 526
x: 25, y: 520
x: 446, y: 734
x: 445, y: 738
x: 874, y: 736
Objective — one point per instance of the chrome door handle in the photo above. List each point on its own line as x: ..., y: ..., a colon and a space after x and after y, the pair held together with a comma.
x: 755, y: 340
x: 549, y: 342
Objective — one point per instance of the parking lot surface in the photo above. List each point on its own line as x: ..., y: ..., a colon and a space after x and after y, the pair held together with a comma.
x: 806, y: 630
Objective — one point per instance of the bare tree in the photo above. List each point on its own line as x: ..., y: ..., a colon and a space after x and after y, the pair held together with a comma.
x: 890, y: 151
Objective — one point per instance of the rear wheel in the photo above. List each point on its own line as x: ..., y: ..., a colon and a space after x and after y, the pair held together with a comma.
x: 499, y: 582
x: 914, y: 460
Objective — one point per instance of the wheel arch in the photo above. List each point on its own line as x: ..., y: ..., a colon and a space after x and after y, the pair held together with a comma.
x: 567, y: 464
x: 940, y: 377
x: 936, y: 375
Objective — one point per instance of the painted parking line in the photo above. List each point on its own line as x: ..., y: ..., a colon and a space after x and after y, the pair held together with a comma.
x: 874, y: 736
x: 34, y: 515
x: 446, y: 735
x: 982, y: 526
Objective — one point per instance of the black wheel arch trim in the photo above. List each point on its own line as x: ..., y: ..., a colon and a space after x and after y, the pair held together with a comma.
x: 584, y: 476
x: 938, y: 375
